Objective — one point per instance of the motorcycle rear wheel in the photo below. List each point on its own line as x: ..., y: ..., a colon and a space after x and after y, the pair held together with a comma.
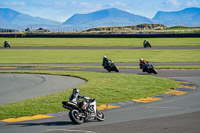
x: 74, y: 116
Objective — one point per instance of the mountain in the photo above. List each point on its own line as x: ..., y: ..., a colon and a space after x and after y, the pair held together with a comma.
x: 10, y: 19
x: 107, y: 17
x: 188, y: 17
x: 13, y: 19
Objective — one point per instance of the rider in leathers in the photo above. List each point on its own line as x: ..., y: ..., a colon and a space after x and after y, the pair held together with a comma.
x: 75, y: 98
x: 106, y: 62
x: 144, y: 64
x: 6, y: 44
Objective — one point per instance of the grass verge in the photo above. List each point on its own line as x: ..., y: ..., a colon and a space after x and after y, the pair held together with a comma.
x: 83, y: 67
x: 105, y: 87
x: 95, y: 56
x: 100, y: 42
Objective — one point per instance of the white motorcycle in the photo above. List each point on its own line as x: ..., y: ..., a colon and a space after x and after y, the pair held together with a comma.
x: 83, y: 110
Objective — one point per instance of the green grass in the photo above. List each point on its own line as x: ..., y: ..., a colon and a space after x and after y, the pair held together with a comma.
x: 105, y: 87
x: 103, y: 42
x: 85, y: 67
x: 95, y: 56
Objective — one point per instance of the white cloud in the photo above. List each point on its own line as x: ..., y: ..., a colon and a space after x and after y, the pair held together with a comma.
x: 14, y: 4
x: 193, y: 3
x: 85, y: 7
x: 117, y: 4
x: 173, y: 2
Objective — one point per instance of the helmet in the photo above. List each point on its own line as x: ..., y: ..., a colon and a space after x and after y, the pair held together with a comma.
x: 141, y: 59
x: 104, y: 57
x: 75, y: 91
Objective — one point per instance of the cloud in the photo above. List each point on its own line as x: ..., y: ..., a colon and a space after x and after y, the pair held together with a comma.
x: 173, y: 2
x: 117, y: 4
x: 10, y: 4
x: 193, y: 3
x: 84, y: 7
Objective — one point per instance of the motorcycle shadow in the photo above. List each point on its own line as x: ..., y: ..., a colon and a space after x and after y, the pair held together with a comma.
x: 55, y: 123
x: 145, y: 73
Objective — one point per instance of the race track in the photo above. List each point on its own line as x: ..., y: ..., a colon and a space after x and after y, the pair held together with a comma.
x: 18, y: 87
x: 173, y: 114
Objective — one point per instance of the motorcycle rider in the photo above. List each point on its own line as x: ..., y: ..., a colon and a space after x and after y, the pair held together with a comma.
x: 6, y: 44
x: 146, y: 43
x: 75, y: 98
x: 144, y: 64
x: 106, y: 62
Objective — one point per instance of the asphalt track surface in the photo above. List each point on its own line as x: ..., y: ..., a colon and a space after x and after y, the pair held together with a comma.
x: 175, y: 114
x: 18, y: 87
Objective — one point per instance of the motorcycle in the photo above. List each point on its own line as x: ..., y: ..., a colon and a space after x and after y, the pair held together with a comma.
x: 147, y: 44
x: 150, y: 69
x: 6, y: 45
x: 83, y: 111
x: 111, y: 67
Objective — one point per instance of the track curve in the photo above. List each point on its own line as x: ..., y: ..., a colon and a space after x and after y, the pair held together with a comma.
x: 168, y: 114
x: 175, y: 114
x: 18, y: 87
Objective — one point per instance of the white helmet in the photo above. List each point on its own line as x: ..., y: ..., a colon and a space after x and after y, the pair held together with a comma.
x: 104, y: 57
x: 141, y: 59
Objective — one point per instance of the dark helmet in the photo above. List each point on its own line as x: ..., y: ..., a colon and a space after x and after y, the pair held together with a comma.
x: 75, y: 91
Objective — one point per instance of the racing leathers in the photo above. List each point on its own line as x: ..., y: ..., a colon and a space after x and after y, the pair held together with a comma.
x: 106, y: 62
x: 144, y: 64
x: 75, y: 99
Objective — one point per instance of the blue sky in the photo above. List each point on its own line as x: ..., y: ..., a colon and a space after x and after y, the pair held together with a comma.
x: 61, y: 10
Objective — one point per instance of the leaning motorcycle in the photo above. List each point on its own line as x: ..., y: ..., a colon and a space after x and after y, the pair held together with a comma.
x: 111, y: 67
x: 147, y: 44
x: 83, y: 111
x: 6, y: 45
x: 150, y: 69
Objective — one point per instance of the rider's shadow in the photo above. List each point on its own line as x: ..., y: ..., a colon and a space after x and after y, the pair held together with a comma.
x: 143, y: 74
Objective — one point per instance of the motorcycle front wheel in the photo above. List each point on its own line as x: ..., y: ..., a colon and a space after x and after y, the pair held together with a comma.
x: 100, y: 115
x: 154, y: 71
x: 74, y: 116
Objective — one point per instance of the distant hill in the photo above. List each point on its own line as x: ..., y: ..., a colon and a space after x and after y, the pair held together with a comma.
x: 188, y: 17
x: 107, y: 17
x: 114, y: 17
x: 130, y: 28
x: 13, y: 19
x: 10, y: 19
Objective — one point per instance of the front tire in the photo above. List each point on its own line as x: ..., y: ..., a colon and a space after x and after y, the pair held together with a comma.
x: 100, y: 115
x: 154, y: 71
x: 115, y: 68
x: 74, y: 116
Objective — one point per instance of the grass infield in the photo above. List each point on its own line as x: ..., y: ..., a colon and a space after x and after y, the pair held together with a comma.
x: 100, y: 42
x: 95, y: 56
x: 105, y: 87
